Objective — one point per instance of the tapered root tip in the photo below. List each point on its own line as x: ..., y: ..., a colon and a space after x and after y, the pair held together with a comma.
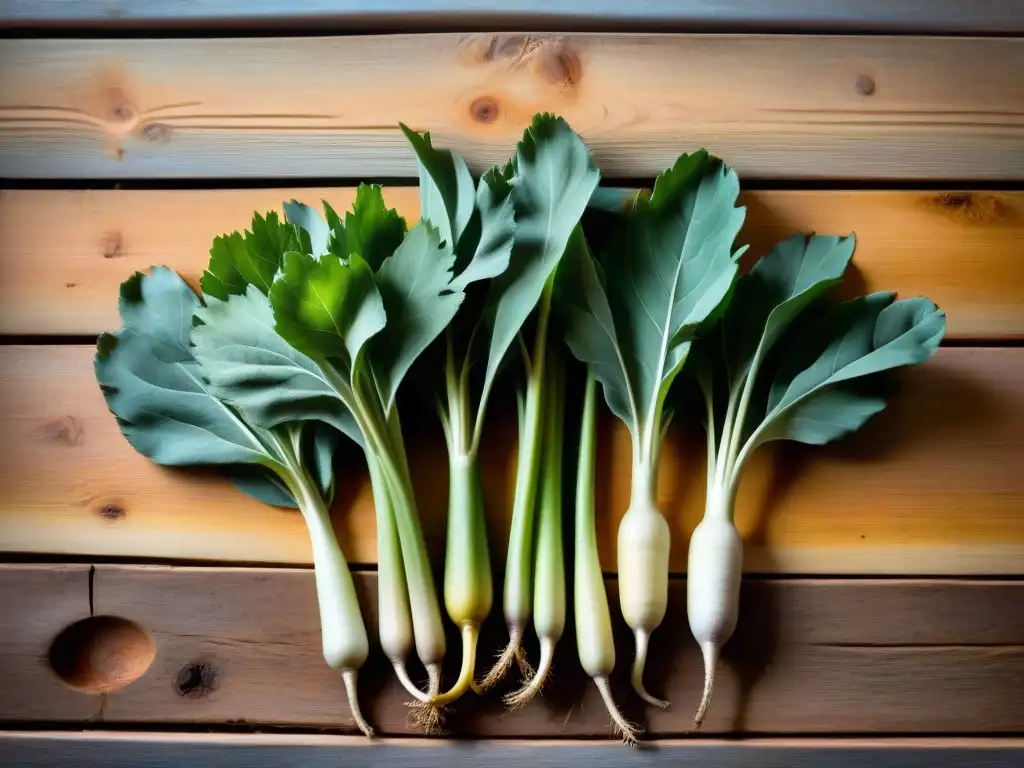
x: 403, y: 677
x: 638, y: 672
x: 710, y: 653
x: 349, y: 678
x: 512, y: 652
x: 624, y: 729
x: 533, y: 685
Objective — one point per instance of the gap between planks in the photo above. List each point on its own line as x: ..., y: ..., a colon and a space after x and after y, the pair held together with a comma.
x: 128, y: 750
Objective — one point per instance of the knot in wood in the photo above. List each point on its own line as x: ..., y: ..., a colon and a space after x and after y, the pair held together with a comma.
x: 865, y: 85
x: 484, y: 109
x: 195, y: 679
x: 158, y: 133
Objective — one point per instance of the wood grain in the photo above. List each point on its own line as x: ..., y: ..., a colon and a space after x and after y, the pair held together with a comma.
x: 945, y: 494
x: 36, y: 603
x: 241, y: 645
x: 960, y: 248
x: 773, y: 106
x: 162, y: 750
x: 960, y: 16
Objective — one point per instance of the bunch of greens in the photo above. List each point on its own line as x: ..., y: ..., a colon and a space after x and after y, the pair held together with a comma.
x: 781, y: 365
x: 508, y: 232
x: 169, y: 412
x: 307, y: 327
x: 632, y: 317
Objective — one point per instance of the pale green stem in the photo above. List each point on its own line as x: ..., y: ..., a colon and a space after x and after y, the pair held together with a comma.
x: 519, y: 563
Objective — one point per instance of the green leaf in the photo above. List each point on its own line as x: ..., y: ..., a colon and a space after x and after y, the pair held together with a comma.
x: 447, y: 196
x: 238, y: 260
x: 415, y: 286
x: 327, y: 309
x: 666, y: 274
x: 248, y: 364
x: 153, y: 384
x: 372, y: 229
x: 778, y: 288
x: 582, y: 304
x: 222, y: 278
x: 261, y: 484
x: 485, y: 247
x: 554, y: 180
x: 315, y: 234
x: 811, y: 399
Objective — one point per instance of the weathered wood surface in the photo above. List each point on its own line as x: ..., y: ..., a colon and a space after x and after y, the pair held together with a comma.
x: 959, y: 16
x: 933, y: 485
x: 157, y: 750
x: 773, y: 106
x: 239, y: 645
x: 36, y: 603
x: 960, y: 248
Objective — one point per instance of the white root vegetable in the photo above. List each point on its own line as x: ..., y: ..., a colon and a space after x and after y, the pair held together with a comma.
x: 812, y: 397
x: 643, y: 548
x: 714, y: 572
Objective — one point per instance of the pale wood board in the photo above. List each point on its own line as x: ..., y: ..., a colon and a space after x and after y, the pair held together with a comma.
x: 932, y: 486
x: 960, y: 248
x: 36, y: 603
x: 157, y: 750
x: 802, y: 106
x: 960, y: 16
x: 809, y: 656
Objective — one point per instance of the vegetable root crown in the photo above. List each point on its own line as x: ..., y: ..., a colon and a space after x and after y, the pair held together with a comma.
x: 512, y: 652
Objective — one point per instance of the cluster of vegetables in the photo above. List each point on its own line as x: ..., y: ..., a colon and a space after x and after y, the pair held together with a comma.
x: 307, y: 327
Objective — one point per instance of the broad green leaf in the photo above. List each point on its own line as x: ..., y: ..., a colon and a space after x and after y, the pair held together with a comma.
x: 314, y: 232
x: 222, y: 277
x: 554, y: 180
x: 248, y: 364
x: 415, y: 287
x: 485, y: 247
x: 326, y: 308
x: 153, y: 384
x: 447, y: 195
x: 238, y: 260
x: 778, y: 288
x: 673, y: 183
x: 582, y: 304
x: 372, y: 229
x: 859, y: 338
x: 262, y: 485
x: 668, y: 272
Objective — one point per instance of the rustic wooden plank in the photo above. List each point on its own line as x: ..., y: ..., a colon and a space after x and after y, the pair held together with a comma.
x: 961, y: 248
x: 163, y: 750
x: 960, y: 16
x: 810, y: 656
x: 865, y: 107
x: 944, y: 496
x: 36, y: 603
